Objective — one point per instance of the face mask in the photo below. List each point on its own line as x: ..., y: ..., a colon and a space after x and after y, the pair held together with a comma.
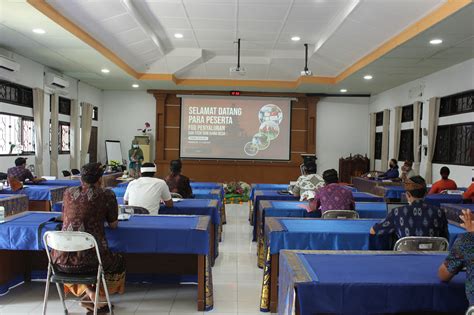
x: 135, y: 146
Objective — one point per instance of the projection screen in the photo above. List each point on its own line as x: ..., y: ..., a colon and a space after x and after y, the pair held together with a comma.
x: 251, y: 128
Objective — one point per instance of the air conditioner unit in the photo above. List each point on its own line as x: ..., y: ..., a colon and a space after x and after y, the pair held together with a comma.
x: 9, y: 65
x: 56, y: 81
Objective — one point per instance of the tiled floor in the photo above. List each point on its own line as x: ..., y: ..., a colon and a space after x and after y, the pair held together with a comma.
x: 237, y: 282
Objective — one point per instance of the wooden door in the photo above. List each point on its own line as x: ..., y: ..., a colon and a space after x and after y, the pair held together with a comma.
x: 93, y: 145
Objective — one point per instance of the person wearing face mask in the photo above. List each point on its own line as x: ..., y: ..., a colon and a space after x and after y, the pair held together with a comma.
x: 392, y: 172
x: 135, y: 155
x: 415, y: 219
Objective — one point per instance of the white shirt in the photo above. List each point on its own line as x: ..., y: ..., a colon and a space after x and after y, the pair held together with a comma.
x: 147, y: 192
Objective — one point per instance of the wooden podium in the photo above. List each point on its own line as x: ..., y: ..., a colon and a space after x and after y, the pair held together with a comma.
x: 353, y: 166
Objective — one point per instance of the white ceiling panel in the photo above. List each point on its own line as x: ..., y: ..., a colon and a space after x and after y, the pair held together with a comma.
x: 167, y: 9
x: 222, y: 11
x: 262, y: 12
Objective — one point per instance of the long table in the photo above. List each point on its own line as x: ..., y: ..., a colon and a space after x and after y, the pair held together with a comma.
x: 372, y: 185
x: 153, y: 246
x: 438, y: 199
x: 318, y: 234
x: 14, y: 204
x: 60, y: 182
x: 41, y: 197
x: 357, y: 282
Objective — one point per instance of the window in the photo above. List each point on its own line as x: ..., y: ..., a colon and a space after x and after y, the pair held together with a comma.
x: 64, y: 138
x: 407, y: 113
x: 17, y: 135
x: 64, y: 106
x: 457, y: 104
x: 378, y: 145
x: 95, y: 113
x: 16, y: 94
x: 406, y: 145
x: 379, y: 119
x: 455, y: 144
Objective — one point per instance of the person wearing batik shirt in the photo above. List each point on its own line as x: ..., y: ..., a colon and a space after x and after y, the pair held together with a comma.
x: 307, y: 182
x: 332, y: 196
x: 20, y: 172
x: 415, y: 219
x: 461, y: 256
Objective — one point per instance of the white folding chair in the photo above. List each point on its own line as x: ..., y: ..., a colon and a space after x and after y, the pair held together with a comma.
x: 176, y: 195
x: 421, y: 243
x: 340, y: 214
x: 69, y: 241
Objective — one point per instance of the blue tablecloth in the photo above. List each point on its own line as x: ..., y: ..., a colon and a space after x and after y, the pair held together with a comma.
x: 141, y: 234
x: 438, y: 199
x: 208, y: 207
x: 35, y: 192
x: 393, y: 192
x: 60, y: 182
x: 276, y: 187
x: 367, y: 284
x: 122, y: 184
x: 371, y: 210
x: 318, y: 234
x: 366, y: 197
x: 207, y: 193
x: 119, y: 191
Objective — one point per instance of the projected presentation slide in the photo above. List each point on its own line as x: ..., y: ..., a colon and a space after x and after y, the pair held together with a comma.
x: 235, y: 128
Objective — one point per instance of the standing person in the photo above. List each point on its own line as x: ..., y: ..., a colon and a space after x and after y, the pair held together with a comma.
x: 135, y: 155
x: 332, y: 196
x: 309, y: 181
x: 178, y: 183
x: 461, y: 256
x: 407, y: 170
x: 444, y: 183
x: 87, y: 208
x: 392, y: 172
x: 415, y: 219
x: 148, y: 191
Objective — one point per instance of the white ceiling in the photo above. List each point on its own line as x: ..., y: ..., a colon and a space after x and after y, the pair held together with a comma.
x: 140, y: 32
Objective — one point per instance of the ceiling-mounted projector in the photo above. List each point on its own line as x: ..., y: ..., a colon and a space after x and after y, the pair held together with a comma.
x: 306, y: 73
x: 238, y: 70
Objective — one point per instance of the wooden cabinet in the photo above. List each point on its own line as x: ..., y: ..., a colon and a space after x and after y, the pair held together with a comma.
x: 353, y: 166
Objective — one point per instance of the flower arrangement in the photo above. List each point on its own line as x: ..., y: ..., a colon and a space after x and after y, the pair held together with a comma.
x: 236, y: 192
x: 116, y: 165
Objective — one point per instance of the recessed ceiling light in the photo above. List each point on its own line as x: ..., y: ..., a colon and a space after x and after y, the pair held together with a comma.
x: 178, y: 35
x: 135, y: 85
x: 343, y: 90
x: 436, y: 41
x: 295, y: 38
x: 368, y: 77
x: 105, y: 70
x: 39, y: 31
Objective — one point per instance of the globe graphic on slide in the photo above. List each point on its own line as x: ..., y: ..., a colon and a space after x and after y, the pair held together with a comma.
x: 270, y: 112
x: 261, y: 141
x: 270, y: 129
x: 250, y: 149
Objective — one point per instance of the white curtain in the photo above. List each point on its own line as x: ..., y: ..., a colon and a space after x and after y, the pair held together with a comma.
x: 433, y: 113
x: 372, y: 141
x: 38, y: 116
x: 74, y: 134
x: 397, y: 111
x: 386, y: 123
x: 416, y: 136
x: 86, y: 127
x: 54, y: 136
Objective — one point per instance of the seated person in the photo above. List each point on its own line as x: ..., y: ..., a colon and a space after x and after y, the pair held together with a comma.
x: 21, y: 173
x: 86, y: 209
x: 309, y: 181
x: 415, y: 219
x: 407, y: 170
x: 332, y: 196
x: 444, y: 183
x: 469, y: 193
x: 178, y: 183
x: 392, y: 172
x: 148, y: 191
x: 461, y: 256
